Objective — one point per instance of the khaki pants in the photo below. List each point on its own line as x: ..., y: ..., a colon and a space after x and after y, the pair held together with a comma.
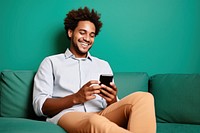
x: 132, y: 114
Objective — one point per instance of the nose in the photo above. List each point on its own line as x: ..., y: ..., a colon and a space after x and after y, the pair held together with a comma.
x: 86, y: 38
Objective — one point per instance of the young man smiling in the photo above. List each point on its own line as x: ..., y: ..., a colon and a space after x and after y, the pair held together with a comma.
x: 67, y: 89
x: 82, y: 38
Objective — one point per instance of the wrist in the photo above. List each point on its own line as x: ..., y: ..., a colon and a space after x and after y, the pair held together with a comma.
x: 75, y: 99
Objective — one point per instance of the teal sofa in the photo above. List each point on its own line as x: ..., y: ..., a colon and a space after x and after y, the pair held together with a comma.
x: 177, y: 101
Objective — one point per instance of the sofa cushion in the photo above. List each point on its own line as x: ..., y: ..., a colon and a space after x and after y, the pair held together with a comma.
x: 129, y: 82
x: 177, y: 128
x: 177, y: 97
x: 21, y: 125
x: 16, y: 94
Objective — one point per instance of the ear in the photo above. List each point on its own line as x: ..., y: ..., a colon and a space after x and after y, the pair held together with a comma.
x: 70, y: 33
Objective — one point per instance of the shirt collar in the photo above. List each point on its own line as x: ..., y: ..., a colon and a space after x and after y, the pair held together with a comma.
x: 68, y: 54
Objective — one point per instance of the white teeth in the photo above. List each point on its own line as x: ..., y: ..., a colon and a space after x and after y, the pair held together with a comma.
x: 84, y: 44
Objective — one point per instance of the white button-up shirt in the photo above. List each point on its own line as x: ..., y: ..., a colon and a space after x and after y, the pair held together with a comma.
x: 62, y: 75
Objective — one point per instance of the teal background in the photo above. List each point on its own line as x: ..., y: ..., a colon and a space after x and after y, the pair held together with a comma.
x: 153, y: 36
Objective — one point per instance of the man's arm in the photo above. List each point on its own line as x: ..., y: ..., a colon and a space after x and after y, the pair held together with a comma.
x: 52, y: 106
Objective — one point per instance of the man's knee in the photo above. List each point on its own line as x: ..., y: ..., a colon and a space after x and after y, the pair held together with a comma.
x: 145, y: 95
x: 138, y: 96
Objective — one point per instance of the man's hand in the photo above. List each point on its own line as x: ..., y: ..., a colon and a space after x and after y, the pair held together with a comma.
x: 87, y: 92
x: 109, y: 93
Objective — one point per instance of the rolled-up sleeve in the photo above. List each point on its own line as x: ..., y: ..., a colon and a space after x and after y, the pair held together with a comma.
x: 43, y: 85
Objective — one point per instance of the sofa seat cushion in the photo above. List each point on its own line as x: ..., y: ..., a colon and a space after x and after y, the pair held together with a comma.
x: 21, y: 125
x: 177, y: 128
x: 177, y: 97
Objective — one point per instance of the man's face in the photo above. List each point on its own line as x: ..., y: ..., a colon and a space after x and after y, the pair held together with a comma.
x: 82, y: 38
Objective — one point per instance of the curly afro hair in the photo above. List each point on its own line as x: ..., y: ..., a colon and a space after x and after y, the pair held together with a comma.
x: 82, y: 14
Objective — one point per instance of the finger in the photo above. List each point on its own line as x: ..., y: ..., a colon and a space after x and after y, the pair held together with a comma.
x: 92, y: 82
x: 105, y: 97
x: 90, y: 97
x: 109, y: 90
x: 114, y: 87
x: 107, y: 94
x: 95, y: 92
x: 104, y: 92
x: 94, y: 88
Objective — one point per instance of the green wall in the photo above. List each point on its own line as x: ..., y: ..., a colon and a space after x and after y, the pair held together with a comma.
x: 154, y: 36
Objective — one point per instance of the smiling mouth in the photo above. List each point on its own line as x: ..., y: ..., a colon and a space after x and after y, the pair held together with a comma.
x: 85, y: 44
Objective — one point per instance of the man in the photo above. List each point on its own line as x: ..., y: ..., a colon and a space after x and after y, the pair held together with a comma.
x: 67, y: 89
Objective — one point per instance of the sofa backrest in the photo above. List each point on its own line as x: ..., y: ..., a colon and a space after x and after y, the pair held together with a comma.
x: 177, y: 97
x: 16, y: 94
x: 16, y: 90
x: 129, y: 82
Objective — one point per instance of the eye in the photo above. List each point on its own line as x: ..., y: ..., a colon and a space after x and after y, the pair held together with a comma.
x: 92, y: 35
x: 82, y: 32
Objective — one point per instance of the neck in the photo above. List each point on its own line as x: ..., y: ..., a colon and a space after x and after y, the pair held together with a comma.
x: 78, y: 55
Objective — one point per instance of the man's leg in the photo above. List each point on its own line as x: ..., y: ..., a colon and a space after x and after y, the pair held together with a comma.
x: 81, y: 122
x: 134, y: 112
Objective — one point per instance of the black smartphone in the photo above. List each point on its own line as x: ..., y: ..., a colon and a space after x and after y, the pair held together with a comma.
x: 106, y: 79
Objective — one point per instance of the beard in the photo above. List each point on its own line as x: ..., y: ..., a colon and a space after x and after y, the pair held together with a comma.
x: 77, y: 47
